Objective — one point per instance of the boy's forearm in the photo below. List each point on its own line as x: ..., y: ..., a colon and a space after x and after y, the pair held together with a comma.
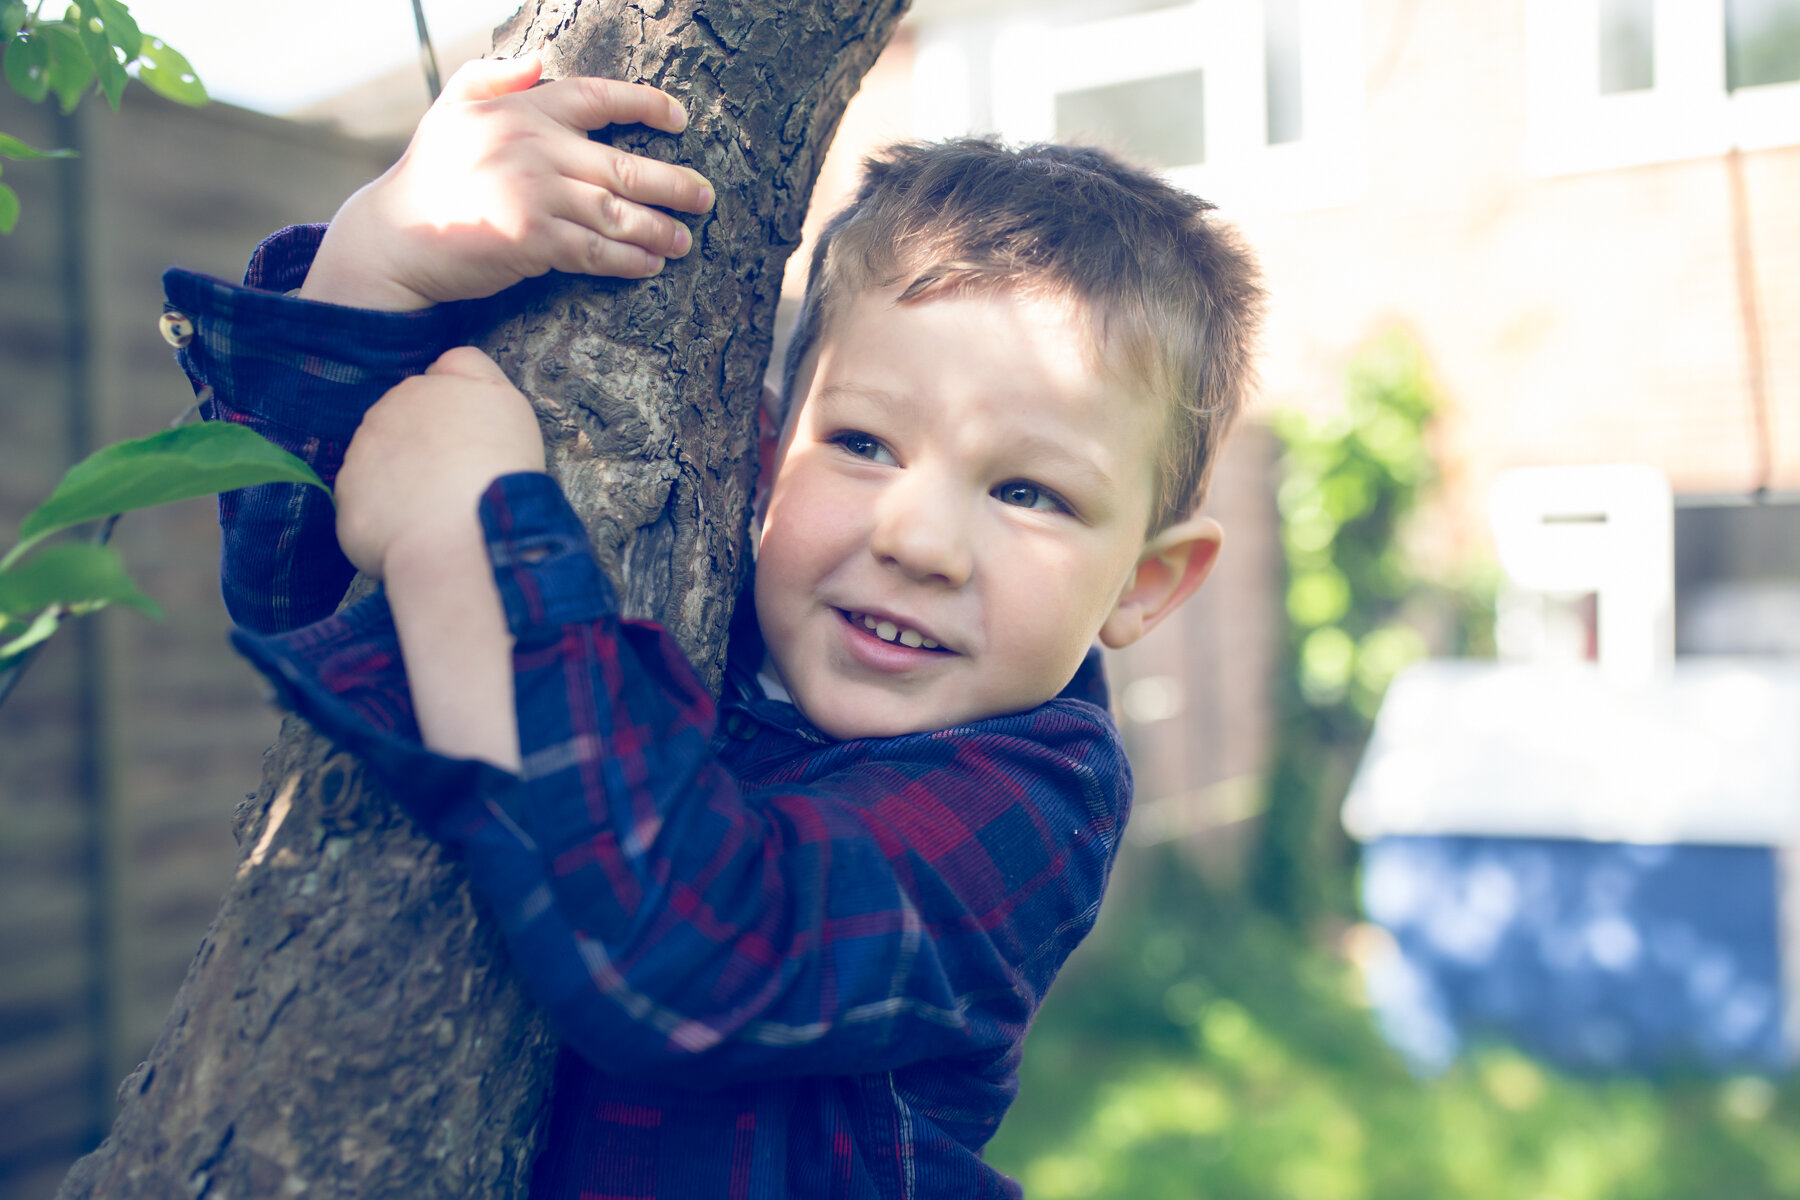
x: 458, y: 650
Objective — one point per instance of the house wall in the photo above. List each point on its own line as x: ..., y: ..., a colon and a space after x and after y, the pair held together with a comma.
x: 1589, y: 317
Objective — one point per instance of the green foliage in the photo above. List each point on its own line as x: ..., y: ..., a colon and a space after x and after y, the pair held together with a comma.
x: 1219, y: 1053
x: 95, y: 42
x: 1357, y: 608
x: 74, y: 577
x: 79, y: 576
x: 163, y: 70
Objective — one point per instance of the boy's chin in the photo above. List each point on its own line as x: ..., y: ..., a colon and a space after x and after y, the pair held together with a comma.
x: 847, y: 722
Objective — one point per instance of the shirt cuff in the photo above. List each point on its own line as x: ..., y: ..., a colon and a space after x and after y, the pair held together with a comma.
x: 254, y: 344
x: 543, y: 565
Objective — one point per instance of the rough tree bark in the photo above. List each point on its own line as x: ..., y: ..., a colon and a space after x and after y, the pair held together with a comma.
x: 350, y: 1026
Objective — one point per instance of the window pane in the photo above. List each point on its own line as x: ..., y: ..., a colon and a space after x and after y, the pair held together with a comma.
x: 1627, y: 45
x: 1281, y: 54
x: 1762, y: 42
x: 1737, y: 579
x: 1156, y: 119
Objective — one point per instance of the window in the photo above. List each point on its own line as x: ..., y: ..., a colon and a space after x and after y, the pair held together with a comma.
x: 1254, y: 104
x: 1160, y: 120
x: 1627, y: 46
x: 1762, y: 42
x: 1737, y: 577
x: 1618, y: 83
x: 1282, y: 71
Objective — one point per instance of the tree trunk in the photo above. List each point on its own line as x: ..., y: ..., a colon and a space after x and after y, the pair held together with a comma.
x: 350, y: 1025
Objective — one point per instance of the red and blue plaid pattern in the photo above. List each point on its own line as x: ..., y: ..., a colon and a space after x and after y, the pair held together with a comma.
x: 782, y: 965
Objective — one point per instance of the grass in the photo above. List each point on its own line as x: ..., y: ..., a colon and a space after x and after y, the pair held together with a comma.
x: 1197, y: 1048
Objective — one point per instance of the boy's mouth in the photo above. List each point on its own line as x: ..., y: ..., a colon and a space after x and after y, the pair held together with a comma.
x: 890, y: 631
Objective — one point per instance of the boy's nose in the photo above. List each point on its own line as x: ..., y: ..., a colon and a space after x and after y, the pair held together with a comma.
x: 918, y: 531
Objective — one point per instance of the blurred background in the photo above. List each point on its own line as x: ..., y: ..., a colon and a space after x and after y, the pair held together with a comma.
x: 1468, y: 787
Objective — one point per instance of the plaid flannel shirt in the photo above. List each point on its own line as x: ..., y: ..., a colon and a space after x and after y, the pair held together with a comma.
x: 781, y: 965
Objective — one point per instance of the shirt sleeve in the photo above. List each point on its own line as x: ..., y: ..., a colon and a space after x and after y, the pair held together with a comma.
x: 864, y: 905
x: 301, y: 374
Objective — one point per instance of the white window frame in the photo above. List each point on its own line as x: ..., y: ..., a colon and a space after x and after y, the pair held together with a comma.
x: 1686, y: 113
x: 1005, y: 77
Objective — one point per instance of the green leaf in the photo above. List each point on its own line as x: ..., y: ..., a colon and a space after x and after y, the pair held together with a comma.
x: 164, y: 71
x: 107, y: 68
x: 12, y: 147
x: 41, y: 627
x: 27, y: 66
x: 12, y: 17
x: 70, y: 70
x: 121, y: 30
x: 9, y: 209
x: 72, y: 574
x: 193, y: 460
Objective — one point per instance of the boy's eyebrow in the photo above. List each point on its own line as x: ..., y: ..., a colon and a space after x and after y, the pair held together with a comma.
x: 1060, y: 458
x: 1027, y: 445
x: 856, y: 391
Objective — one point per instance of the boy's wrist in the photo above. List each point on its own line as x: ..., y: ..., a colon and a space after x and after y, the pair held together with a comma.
x: 346, y: 275
x: 443, y: 554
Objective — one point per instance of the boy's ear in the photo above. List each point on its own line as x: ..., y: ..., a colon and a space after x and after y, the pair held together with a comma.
x: 1175, y: 562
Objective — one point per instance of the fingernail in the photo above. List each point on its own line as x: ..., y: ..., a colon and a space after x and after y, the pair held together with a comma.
x: 656, y: 265
x: 706, y: 191
x: 677, y: 115
x: 684, y: 241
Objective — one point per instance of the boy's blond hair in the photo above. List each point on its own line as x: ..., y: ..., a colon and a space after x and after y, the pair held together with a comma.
x: 1173, y: 298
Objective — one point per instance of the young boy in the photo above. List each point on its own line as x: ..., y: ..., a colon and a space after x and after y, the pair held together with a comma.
x: 792, y: 947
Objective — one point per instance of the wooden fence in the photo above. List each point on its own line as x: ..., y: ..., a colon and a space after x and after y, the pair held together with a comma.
x: 125, y: 748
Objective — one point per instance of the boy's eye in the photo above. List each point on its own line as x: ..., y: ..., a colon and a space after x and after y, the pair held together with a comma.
x: 864, y: 446
x: 1027, y: 495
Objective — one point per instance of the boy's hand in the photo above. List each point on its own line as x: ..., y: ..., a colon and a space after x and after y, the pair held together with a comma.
x: 412, y: 479
x: 500, y: 183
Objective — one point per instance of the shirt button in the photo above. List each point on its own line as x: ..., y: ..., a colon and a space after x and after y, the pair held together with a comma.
x: 177, y: 330
x: 740, y: 726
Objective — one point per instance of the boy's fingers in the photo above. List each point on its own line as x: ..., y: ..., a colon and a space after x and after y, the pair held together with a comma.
x: 639, y: 179
x: 485, y: 78
x: 579, y: 249
x: 619, y: 220
x: 469, y: 363
x: 585, y: 103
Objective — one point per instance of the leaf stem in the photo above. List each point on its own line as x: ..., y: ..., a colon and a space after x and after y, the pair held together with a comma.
x: 9, y: 678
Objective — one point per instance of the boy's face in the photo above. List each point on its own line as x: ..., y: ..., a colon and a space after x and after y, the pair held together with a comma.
x: 959, y: 503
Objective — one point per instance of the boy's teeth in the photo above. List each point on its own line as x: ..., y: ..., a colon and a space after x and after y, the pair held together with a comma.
x: 887, y: 631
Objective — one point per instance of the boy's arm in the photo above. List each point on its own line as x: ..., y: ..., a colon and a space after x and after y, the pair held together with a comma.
x: 499, y: 183
x: 407, y: 498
